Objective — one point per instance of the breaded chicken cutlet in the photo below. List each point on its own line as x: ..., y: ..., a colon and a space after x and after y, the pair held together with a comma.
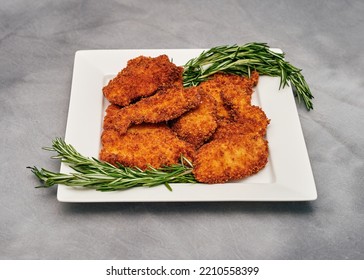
x: 233, y: 158
x: 153, y: 121
x: 197, y: 126
x: 245, y: 117
x: 212, y: 88
x: 167, y: 104
x: 251, y: 120
x: 227, y: 128
x: 238, y: 148
x: 142, y: 77
x: 229, y: 82
x: 143, y: 146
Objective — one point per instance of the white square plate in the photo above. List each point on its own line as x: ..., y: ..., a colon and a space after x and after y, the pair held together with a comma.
x: 287, y: 176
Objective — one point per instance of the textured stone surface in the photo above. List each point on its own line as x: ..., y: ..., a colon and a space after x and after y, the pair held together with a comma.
x: 38, y: 40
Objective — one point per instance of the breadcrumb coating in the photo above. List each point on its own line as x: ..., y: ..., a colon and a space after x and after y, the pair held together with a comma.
x: 222, y: 82
x: 165, y: 105
x: 142, y: 77
x: 144, y: 145
x: 152, y: 121
x: 230, y: 158
x: 197, y: 126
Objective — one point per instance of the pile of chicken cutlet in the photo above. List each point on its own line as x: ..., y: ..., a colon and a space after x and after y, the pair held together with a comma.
x: 152, y: 120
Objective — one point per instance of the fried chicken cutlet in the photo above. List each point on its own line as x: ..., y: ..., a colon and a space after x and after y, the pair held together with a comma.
x: 232, y: 158
x: 165, y: 105
x: 254, y: 121
x: 144, y: 145
x: 142, y: 77
x: 229, y: 82
x: 244, y: 117
x: 212, y: 88
x: 197, y: 126
x: 238, y: 148
x: 216, y: 118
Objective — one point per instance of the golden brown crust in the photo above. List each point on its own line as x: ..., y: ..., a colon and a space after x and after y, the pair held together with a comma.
x: 225, y: 78
x: 111, y: 113
x: 165, y: 105
x: 228, y: 159
x: 218, y: 110
x: 197, y: 126
x: 229, y: 83
x: 235, y: 98
x: 144, y: 145
x: 212, y: 88
x: 142, y: 77
x: 253, y: 120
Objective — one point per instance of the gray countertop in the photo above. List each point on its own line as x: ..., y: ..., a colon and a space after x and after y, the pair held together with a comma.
x: 38, y: 40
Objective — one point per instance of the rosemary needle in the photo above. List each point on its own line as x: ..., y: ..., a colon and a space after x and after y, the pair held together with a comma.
x: 102, y: 176
x: 242, y: 60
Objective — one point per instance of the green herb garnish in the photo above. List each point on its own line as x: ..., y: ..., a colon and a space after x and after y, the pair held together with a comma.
x: 242, y: 60
x: 102, y: 176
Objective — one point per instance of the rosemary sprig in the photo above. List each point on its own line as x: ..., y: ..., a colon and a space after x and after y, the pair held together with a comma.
x: 95, y: 174
x: 242, y: 60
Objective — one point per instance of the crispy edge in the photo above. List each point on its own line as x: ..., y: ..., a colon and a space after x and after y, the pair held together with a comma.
x: 235, y: 98
x: 254, y: 121
x: 243, y: 81
x: 110, y: 117
x: 220, y: 82
x: 143, y: 146
x: 198, y: 125
x: 227, y: 159
x: 166, y: 105
x: 212, y: 88
x: 142, y: 77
